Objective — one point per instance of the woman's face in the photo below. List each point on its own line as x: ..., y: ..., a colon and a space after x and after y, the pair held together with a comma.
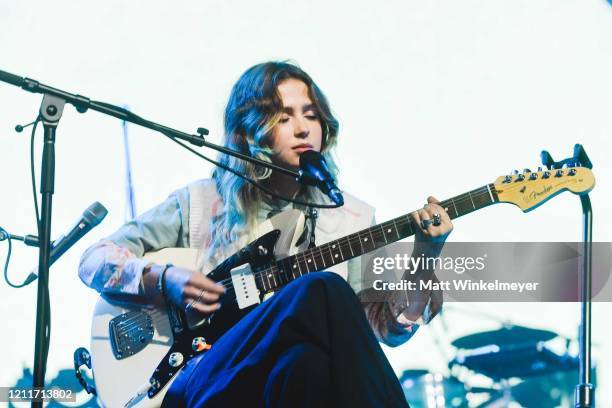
x: 299, y: 128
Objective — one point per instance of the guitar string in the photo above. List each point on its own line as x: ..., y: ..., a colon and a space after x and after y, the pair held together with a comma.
x: 135, y: 322
x: 377, y: 233
x: 346, y: 244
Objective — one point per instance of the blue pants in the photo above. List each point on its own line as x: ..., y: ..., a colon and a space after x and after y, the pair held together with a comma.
x: 310, y: 345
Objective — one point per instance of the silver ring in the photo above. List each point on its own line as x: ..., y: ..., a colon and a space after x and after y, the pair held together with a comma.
x: 426, y: 223
x: 200, y: 295
x: 196, y: 300
x: 437, y: 220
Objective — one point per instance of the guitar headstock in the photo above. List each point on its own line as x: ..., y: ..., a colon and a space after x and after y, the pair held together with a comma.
x: 528, y: 189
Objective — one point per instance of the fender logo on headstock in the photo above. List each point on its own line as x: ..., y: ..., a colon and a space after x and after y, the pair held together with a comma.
x: 535, y: 194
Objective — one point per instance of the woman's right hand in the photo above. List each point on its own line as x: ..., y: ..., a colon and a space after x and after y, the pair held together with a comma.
x: 192, y: 290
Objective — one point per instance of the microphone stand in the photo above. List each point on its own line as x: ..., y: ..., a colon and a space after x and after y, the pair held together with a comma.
x: 51, y: 110
x: 83, y: 103
x: 584, y: 396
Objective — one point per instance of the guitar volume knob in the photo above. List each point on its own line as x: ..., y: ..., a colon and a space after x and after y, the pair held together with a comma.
x: 175, y: 359
x: 199, y: 344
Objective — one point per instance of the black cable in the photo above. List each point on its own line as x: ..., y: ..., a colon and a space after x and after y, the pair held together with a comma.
x: 36, y: 210
x: 33, y: 176
x: 250, y: 180
x: 5, y: 235
x: 47, y: 323
x: 2, y: 230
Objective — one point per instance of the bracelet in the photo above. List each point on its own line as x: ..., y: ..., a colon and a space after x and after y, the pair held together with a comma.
x: 161, y: 281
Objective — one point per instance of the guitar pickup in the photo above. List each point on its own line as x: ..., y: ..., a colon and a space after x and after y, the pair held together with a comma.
x: 243, y: 280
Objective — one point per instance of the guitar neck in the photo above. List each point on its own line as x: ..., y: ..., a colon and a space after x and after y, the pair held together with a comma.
x: 321, y: 257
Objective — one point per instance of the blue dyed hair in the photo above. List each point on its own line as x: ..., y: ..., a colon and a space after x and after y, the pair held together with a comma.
x: 253, y: 109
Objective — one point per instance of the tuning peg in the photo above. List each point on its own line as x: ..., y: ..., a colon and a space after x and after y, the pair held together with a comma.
x: 520, y: 177
x: 533, y: 176
x: 507, y: 179
x: 526, y: 171
x: 539, y: 169
x: 559, y: 173
x: 572, y: 172
x: 515, y: 172
x: 546, y: 174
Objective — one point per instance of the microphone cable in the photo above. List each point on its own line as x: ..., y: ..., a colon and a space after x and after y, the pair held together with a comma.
x: 4, y: 234
x: 249, y: 179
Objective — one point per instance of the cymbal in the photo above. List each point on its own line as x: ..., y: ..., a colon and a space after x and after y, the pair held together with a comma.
x: 503, y: 337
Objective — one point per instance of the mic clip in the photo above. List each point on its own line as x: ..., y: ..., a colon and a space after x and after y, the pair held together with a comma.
x: 19, y: 128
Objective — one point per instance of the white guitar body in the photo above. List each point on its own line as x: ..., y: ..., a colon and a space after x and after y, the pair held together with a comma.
x: 124, y: 382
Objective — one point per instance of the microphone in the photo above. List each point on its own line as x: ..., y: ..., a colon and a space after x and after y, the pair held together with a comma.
x: 92, y: 216
x: 313, y: 171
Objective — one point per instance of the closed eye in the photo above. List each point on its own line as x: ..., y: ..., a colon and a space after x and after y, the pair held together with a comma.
x: 311, y: 115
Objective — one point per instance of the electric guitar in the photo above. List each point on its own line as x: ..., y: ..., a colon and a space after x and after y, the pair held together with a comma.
x: 137, y: 350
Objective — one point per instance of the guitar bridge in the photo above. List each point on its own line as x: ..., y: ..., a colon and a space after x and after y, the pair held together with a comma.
x: 130, y: 333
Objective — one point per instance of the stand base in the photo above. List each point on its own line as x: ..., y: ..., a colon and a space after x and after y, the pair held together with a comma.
x: 585, y: 396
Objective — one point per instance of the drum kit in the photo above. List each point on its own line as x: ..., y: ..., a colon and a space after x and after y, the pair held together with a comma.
x: 509, y: 367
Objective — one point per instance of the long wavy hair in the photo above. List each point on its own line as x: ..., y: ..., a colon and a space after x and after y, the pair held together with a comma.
x: 253, y: 109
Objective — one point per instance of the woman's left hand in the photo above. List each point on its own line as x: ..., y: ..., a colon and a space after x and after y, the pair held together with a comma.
x: 433, y: 226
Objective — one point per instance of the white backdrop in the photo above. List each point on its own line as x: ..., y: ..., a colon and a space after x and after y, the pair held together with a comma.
x: 433, y: 98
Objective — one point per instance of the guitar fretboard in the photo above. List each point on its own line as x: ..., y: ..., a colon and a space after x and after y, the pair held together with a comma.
x: 281, y: 272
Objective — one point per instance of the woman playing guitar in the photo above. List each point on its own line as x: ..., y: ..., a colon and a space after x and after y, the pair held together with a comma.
x: 311, y: 344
